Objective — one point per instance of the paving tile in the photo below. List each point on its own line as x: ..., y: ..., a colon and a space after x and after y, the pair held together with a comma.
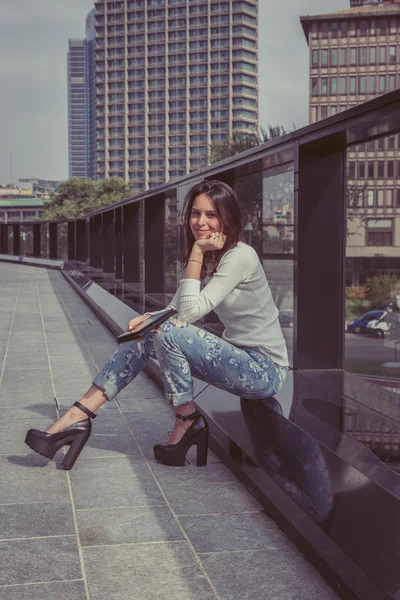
x: 245, y: 531
x: 17, y: 359
x: 145, y: 571
x: 36, y: 520
x: 111, y: 438
x: 30, y: 377
x: 30, y: 413
x: 65, y: 590
x: 148, y: 425
x: 32, y: 472
x: 40, y: 559
x: 266, y: 575
x: 25, y: 393
x: 12, y: 434
x: 191, y: 474
x: 210, y: 498
x: 109, y: 482
x: 127, y: 525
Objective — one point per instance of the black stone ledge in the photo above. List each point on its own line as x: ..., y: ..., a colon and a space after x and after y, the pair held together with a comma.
x: 32, y: 262
x: 333, y: 496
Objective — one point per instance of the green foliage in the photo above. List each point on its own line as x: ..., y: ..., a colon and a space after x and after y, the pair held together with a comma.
x: 380, y: 290
x: 240, y: 142
x: 77, y: 197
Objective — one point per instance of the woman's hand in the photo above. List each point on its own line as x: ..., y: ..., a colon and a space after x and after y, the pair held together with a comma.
x: 137, y: 321
x: 215, y: 241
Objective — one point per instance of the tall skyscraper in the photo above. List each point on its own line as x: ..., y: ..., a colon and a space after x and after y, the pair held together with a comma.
x: 172, y: 77
x: 90, y: 81
x: 81, y: 60
x: 77, y: 142
x: 354, y: 57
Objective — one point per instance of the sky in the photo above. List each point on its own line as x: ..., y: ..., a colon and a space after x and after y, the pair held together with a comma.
x: 33, y: 76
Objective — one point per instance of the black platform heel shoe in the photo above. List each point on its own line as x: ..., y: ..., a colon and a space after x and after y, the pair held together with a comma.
x: 174, y: 455
x: 75, y: 436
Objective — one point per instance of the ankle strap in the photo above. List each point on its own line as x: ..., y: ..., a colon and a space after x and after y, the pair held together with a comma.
x: 191, y: 417
x: 85, y: 410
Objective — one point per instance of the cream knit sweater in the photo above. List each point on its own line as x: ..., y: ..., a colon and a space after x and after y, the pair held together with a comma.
x: 240, y: 295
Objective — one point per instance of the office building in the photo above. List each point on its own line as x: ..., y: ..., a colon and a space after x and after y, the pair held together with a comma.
x: 354, y: 57
x: 173, y: 76
x: 77, y: 143
x: 81, y: 103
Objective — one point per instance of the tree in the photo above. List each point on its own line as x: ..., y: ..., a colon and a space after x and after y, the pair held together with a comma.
x: 239, y: 142
x: 380, y: 290
x: 77, y: 197
x: 357, y: 295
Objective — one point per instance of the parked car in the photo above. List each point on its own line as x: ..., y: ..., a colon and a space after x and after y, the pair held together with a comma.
x: 379, y: 327
x: 286, y: 318
x: 360, y: 325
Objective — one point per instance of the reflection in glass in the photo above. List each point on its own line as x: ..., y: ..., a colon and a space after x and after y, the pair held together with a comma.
x: 26, y: 240
x: 372, y: 263
x: 291, y: 457
x: 62, y: 241
x: 10, y: 240
x: 44, y: 240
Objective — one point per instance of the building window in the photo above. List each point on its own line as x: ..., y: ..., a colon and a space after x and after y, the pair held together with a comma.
x: 334, y: 57
x: 372, y: 88
x: 361, y: 170
x: 315, y: 58
x: 392, y: 83
x: 333, y: 110
x: 363, y: 27
x: 353, y: 56
x: 380, y: 197
x: 381, y: 144
x: 389, y: 197
x: 324, y: 58
x: 398, y: 197
x: 370, y: 198
x: 343, y: 57
x: 334, y: 29
x: 371, y: 145
x: 382, y: 26
x: 363, y: 55
x: 334, y: 86
x: 352, y: 170
x: 324, y: 112
x: 382, y: 55
x: 314, y: 87
x: 382, y: 84
x: 372, y: 55
x: 391, y: 142
x: 390, y: 168
x: 324, y: 86
x: 381, y: 168
x: 392, y: 55
x: 342, y: 85
x: 344, y: 27
x: 371, y: 170
x: 324, y: 29
x: 353, y: 85
x: 363, y: 84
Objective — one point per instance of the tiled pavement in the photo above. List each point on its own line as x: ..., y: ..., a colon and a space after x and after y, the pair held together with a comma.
x: 118, y: 526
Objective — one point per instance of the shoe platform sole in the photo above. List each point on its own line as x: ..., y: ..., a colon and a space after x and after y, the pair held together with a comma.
x: 40, y: 446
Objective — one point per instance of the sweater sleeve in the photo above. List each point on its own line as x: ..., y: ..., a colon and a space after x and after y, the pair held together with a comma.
x: 235, y: 266
x: 173, y: 304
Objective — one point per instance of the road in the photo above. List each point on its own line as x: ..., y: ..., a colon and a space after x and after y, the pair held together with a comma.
x: 359, y: 348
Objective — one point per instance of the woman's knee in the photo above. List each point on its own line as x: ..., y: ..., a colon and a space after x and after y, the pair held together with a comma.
x: 166, y: 334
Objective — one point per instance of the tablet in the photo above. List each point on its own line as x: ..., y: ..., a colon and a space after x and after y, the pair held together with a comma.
x: 150, y: 323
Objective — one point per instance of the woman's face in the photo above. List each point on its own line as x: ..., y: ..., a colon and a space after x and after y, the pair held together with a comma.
x: 204, y: 219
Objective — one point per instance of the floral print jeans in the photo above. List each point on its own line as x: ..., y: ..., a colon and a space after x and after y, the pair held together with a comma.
x: 184, y: 350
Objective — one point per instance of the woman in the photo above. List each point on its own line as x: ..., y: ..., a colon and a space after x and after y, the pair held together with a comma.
x: 250, y: 360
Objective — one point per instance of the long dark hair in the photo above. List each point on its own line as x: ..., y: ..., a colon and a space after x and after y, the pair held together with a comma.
x: 228, y: 210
